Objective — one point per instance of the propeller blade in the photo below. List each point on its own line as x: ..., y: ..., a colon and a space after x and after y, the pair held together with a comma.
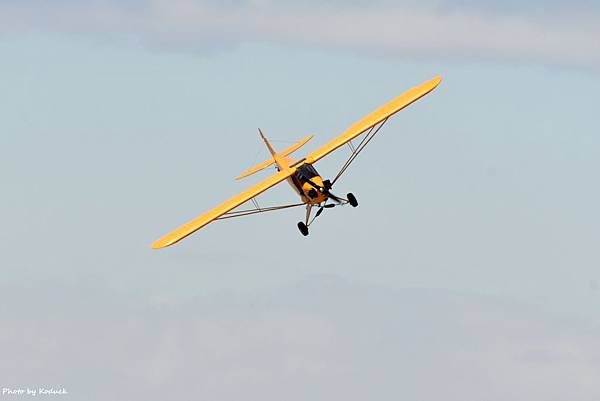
x: 319, y: 211
x: 325, y: 190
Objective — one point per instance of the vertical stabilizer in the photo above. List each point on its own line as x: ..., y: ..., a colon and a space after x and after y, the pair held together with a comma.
x: 273, y: 153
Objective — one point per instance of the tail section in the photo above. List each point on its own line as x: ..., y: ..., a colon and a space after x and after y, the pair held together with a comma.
x: 275, y: 155
x: 255, y: 169
x: 296, y: 146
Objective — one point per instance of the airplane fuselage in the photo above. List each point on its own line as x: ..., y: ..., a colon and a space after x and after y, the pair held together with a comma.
x: 306, y: 181
x: 309, y: 193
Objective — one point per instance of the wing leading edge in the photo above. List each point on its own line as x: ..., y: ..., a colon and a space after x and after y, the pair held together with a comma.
x: 382, y: 113
x: 220, y: 210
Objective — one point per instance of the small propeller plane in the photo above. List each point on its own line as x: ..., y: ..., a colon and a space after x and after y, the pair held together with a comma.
x: 314, y: 191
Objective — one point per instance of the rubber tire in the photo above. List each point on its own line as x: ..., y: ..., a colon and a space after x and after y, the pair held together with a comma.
x: 303, y: 229
x: 352, y: 200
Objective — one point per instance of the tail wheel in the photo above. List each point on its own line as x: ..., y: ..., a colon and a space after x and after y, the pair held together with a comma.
x: 303, y: 228
x: 352, y: 200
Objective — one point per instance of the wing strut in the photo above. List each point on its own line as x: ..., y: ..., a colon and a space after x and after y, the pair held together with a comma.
x: 226, y: 207
x: 356, y: 150
x: 240, y: 213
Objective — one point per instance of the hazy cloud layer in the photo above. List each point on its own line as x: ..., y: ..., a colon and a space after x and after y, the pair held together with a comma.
x: 540, y: 32
x: 322, y: 339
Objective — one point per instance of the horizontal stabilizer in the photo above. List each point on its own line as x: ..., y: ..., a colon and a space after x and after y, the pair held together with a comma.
x: 255, y: 169
x: 296, y: 146
x: 269, y: 162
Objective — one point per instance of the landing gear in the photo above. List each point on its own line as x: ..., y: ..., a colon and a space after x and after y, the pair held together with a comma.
x: 352, y: 200
x: 303, y: 225
x: 303, y: 228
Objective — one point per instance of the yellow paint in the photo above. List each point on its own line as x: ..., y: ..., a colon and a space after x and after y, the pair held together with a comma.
x: 269, y: 162
x: 220, y: 210
x: 306, y: 188
x: 385, y: 111
x: 287, y: 173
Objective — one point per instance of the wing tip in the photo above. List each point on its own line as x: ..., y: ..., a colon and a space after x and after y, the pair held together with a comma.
x: 160, y: 244
x: 435, y: 81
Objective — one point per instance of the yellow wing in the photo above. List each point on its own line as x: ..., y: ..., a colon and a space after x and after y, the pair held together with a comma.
x: 220, y: 210
x: 385, y: 111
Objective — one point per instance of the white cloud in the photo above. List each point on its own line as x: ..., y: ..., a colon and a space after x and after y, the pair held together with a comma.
x: 322, y: 339
x: 400, y: 30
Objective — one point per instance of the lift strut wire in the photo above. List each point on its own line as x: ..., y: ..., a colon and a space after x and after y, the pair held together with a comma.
x: 240, y: 213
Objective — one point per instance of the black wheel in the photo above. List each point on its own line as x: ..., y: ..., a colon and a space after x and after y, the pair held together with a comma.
x: 303, y: 229
x: 352, y: 200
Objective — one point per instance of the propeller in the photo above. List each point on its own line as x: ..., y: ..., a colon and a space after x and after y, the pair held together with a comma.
x: 325, y: 189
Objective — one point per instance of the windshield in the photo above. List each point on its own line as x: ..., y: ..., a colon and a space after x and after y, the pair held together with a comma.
x: 306, y: 172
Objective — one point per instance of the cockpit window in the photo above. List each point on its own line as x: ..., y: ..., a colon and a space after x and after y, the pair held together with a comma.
x: 306, y: 172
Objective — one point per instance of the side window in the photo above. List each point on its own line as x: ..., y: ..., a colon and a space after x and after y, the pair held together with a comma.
x: 309, y: 171
x: 306, y: 172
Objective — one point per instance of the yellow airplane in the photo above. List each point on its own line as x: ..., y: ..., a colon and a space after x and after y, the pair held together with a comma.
x: 301, y: 175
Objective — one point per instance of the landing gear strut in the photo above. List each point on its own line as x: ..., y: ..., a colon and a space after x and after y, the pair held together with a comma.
x: 303, y: 226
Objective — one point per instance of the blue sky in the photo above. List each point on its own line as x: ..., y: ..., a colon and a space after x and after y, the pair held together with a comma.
x: 123, y: 120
